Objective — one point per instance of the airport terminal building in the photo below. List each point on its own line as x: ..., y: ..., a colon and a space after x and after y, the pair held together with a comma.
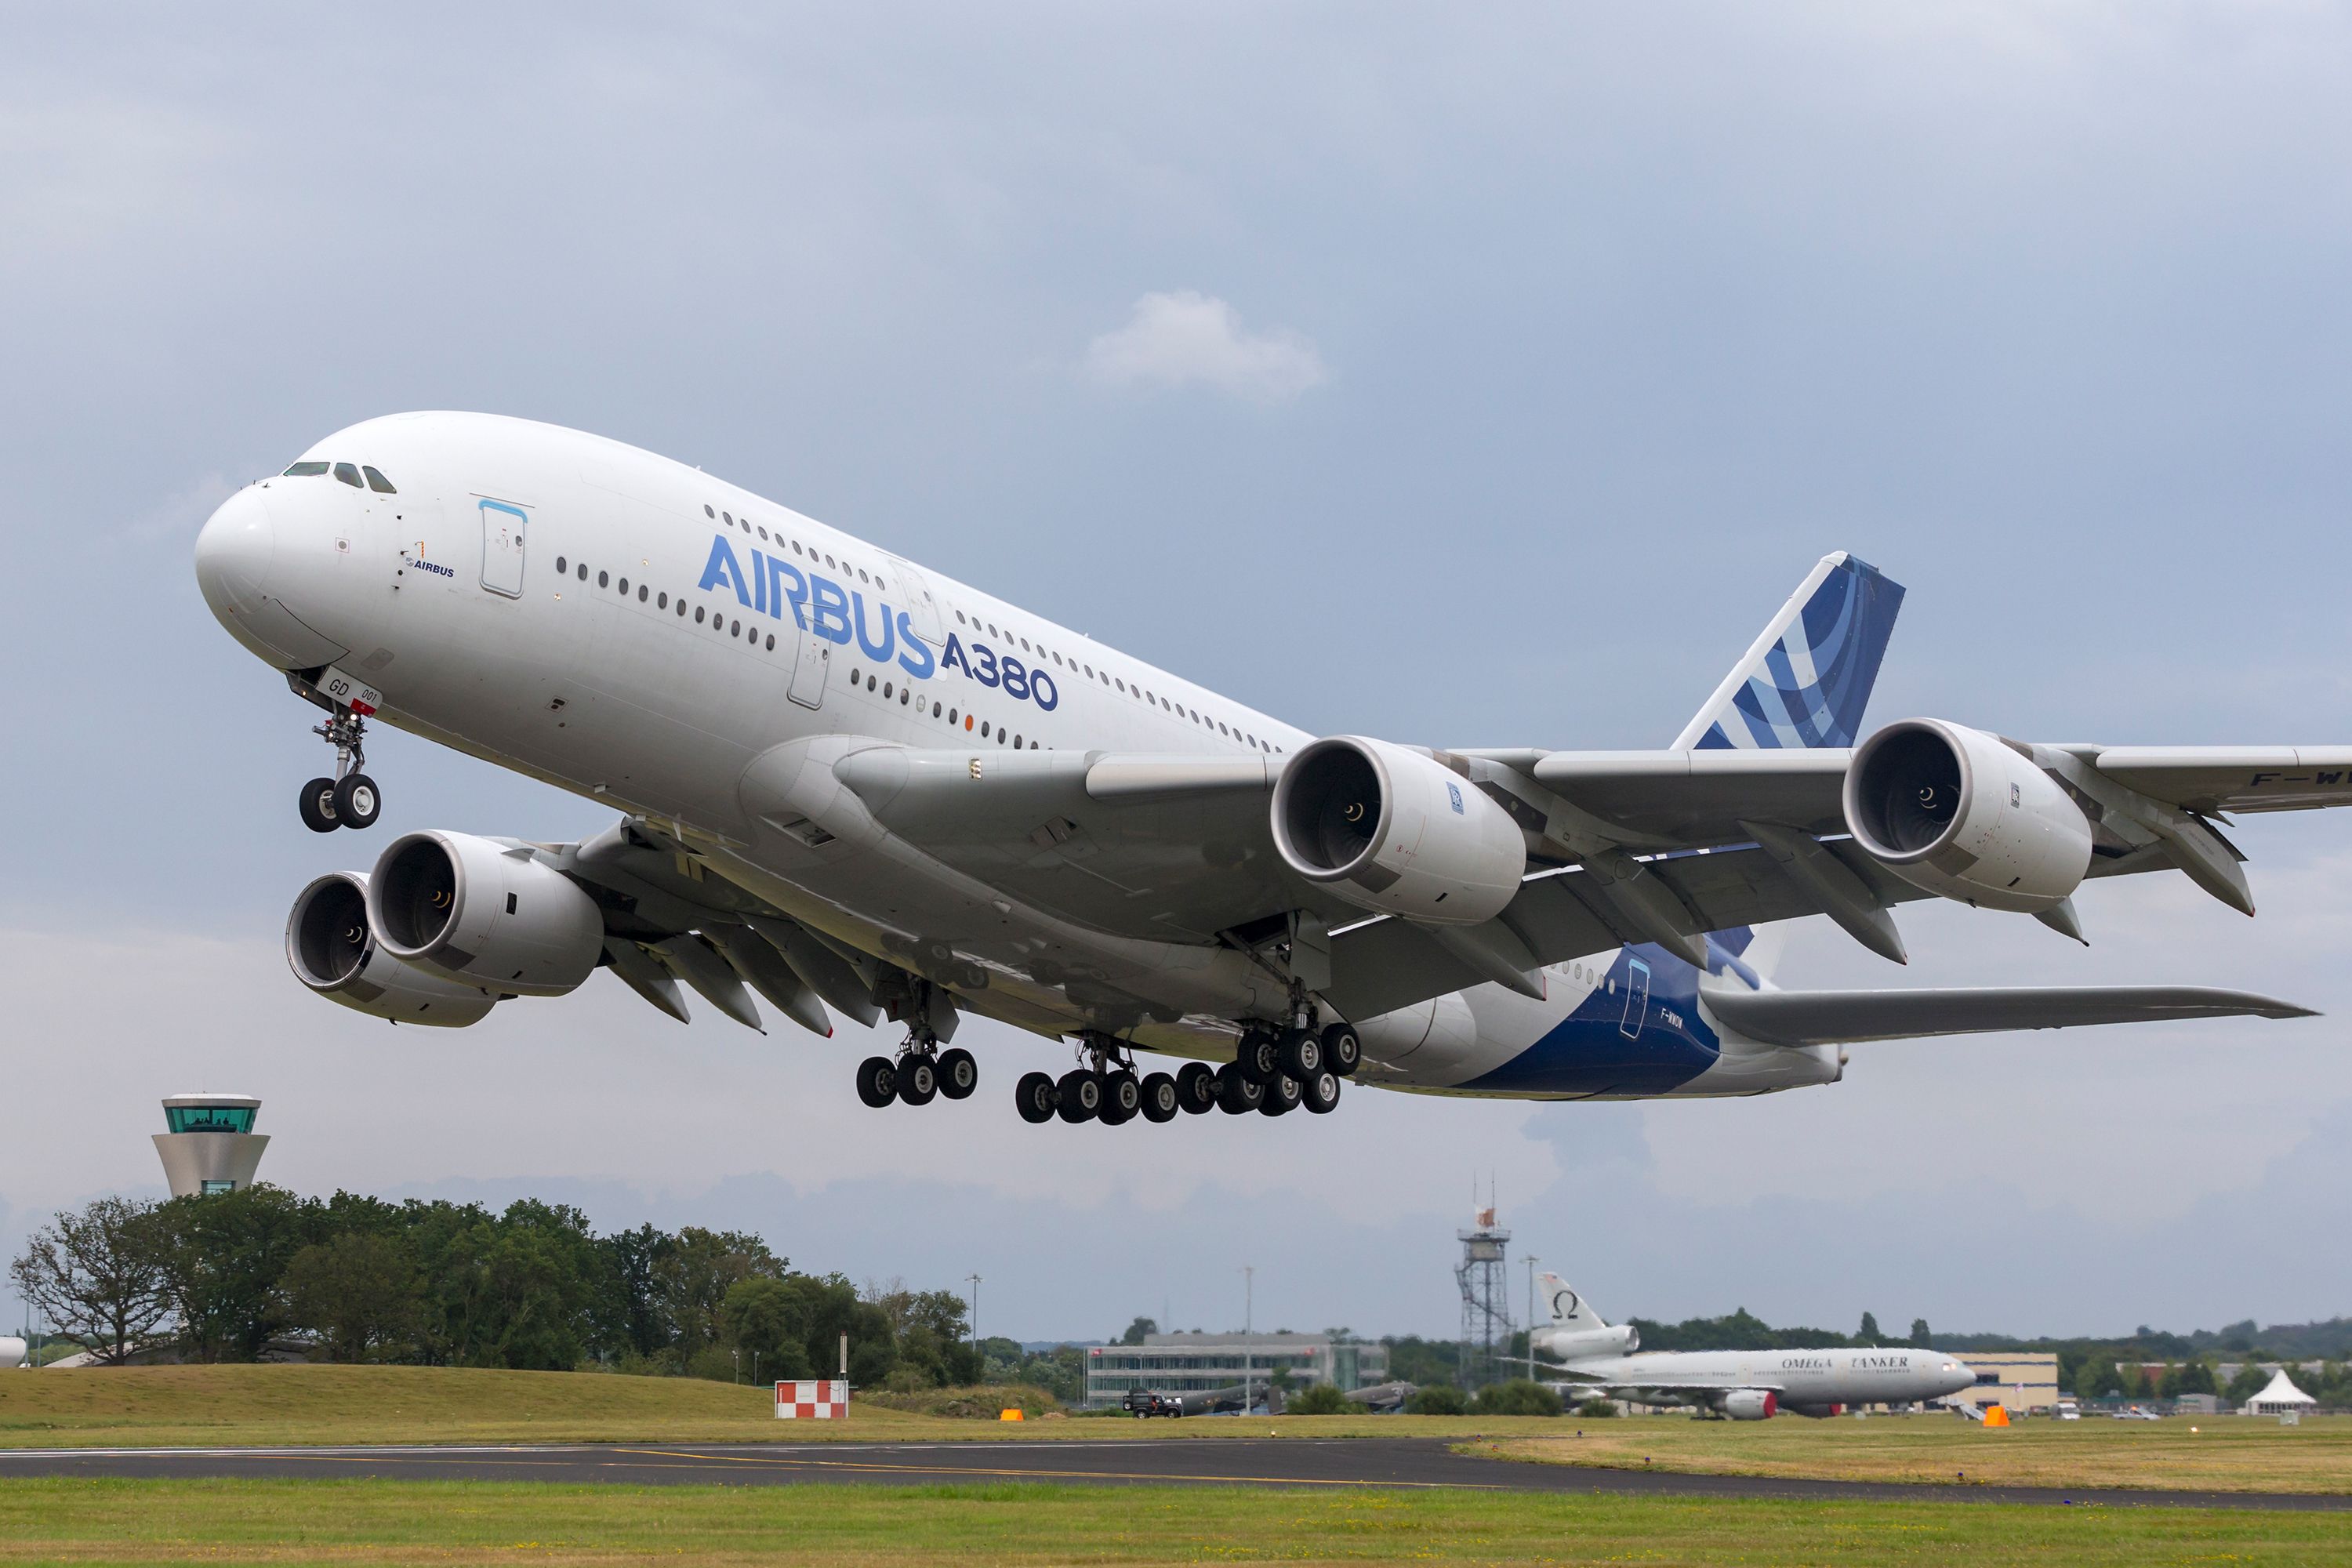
x: 1196, y: 1364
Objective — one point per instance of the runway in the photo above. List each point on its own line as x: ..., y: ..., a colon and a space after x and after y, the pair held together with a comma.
x: 1397, y: 1464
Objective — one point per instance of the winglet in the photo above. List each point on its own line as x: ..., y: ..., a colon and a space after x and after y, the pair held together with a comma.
x: 1807, y: 680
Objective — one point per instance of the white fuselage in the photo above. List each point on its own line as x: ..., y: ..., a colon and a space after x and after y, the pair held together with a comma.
x: 688, y: 652
x: 1823, y: 1377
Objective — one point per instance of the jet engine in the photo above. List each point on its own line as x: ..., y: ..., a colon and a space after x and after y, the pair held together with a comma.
x: 488, y: 913
x: 1396, y: 832
x: 333, y: 951
x: 1750, y: 1404
x: 1578, y: 1344
x: 1962, y: 814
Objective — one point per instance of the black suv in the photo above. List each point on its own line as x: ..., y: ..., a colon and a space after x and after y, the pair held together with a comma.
x: 1144, y: 1403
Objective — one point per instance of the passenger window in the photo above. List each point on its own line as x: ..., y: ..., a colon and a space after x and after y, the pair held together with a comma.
x: 560, y: 567
x: 624, y: 587
x: 729, y: 518
x: 604, y: 579
x: 584, y: 571
x: 960, y: 620
x: 698, y: 614
x: 377, y: 482
x: 764, y: 533
x: 984, y: 729
x: 771, y: 642
x: 707, y: 511
x: 348, y: 474
x: 641, y: 593
x: 306, y: 470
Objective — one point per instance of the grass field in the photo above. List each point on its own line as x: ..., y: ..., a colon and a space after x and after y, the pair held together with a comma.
x: 232, y: 1522
x: 2213, y: 1453
x: 180, y: 1406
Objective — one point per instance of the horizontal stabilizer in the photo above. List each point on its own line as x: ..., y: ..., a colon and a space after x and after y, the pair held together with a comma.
x: 1846, y: 1017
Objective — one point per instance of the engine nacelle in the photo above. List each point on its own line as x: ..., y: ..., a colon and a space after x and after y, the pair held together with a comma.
x: 1581, y: 1344
x: 1395, y: 832
x: 1960, y: 814
x: 332, y: 951
x: 492, y: 914
x: 1750, y: 1404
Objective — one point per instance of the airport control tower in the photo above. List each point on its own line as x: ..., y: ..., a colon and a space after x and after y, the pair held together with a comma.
x: 1486, y: 1306
x: 212, y: 1146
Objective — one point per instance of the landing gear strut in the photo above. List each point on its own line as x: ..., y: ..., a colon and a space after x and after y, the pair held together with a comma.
x: 349, y: 799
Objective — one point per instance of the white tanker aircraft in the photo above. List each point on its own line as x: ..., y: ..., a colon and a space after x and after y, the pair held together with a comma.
x: 852, y: 785
x: 1745, y: 1385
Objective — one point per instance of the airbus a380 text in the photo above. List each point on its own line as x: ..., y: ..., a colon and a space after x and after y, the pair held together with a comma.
x: 850, y: 786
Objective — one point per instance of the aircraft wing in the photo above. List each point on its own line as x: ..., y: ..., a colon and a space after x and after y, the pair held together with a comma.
x: 1844, y: 1017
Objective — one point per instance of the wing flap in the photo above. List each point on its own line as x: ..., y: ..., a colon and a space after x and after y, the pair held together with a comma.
x: 1847, y: 1017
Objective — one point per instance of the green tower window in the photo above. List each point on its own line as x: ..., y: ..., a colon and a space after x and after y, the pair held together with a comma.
x: 209, y: 1118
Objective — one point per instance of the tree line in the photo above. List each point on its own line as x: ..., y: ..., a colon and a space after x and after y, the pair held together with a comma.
x: 235, y: 1276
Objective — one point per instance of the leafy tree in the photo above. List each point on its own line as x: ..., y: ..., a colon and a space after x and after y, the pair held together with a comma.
x: 767, y: 1320
x: 2249, y: 1381
x: 2098, y: 1378
x: 1437, y: 1399
x: 98, y: 1277
x: 2187, y: 1377
x: 1598, y: 1409
x: 1317, y: 1399
x: 1919, y: 1335
x: 631, y: 1317
x: 224, y: 1257
x: 358, y: 1292
x: 1516, y: 1397
x: 1868, y: 1333
x: 694, y: 1273
x: 1137, y: 1330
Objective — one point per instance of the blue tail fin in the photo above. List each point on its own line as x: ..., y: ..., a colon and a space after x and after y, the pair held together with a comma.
x: 1807, y: 680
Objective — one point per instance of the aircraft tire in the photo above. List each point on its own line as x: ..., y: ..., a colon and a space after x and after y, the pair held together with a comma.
x: 358, y: 802
x: 1320, y: 1094
x: 1343, y: 1048
x: 1302, y: 1054
x: 1237, y: 1092
x: 1122, y: 1098
x: 1160, y: 1099
x: 1033, y: 1097
x: 877, y: 1081
x: 959, y: 1074
x: 1260, y: 1056
x: 1196, y: 1088
x: 1282, y: 1097
x: 316, y: 805
x: 918, y: 1080
x: 1078, y: 1097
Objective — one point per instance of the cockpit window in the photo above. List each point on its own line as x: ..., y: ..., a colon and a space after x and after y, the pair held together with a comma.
x: 306, y: 470
x: 376, y: 481
x: 348, y: 474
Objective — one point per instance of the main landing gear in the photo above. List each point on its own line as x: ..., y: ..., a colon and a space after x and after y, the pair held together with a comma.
x: 349, y: 799
x: 919, y: 1073
x: 1275, y: 1071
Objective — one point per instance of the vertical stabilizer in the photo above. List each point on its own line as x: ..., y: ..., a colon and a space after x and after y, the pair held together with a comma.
x: 1807, y: 680
x: 1570, y: 1311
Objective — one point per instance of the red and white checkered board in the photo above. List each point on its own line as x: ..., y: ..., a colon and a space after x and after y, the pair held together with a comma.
x: 823, y: 1399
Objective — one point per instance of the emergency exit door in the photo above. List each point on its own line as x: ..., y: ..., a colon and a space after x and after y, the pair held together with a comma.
x: 502, y: 540
x: 1637, y: 998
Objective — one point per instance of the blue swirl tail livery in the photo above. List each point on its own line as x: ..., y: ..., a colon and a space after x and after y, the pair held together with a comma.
x: 1807, y: 680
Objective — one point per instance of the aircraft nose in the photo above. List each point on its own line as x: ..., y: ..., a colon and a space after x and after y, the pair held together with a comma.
x: 232, y: 553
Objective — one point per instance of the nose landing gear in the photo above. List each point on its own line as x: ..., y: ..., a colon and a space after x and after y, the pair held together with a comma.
x: 349, y: 799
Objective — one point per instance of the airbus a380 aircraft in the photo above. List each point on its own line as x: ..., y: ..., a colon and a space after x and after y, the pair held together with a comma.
x: 1746, y: 1385
x: 855, y: 786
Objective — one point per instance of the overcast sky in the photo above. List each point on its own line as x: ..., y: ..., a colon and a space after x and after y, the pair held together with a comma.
x: 1468, y: 376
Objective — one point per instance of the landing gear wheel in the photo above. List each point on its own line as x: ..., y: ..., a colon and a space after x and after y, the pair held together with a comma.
x: 1159, y: 1101
x: 1080, y: 1096
x: 1343, y: 1049
x: 918, y: 1080
x: 1122, y: 1098
x: 1034, y: 1098
x: 1196, y: 1088
x: 1320, y: 1093
x: 959, y: 1074
x: 357, y: 801
x: 1281, y: 1096
x: 1260, y: 1056
x: 1236, y: 1091
x: 318, y: 806
x: 1302, y: 1054
x: 877, y: 1081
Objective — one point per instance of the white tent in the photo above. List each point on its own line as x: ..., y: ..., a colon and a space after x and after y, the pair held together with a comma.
x: 2281, y: 1399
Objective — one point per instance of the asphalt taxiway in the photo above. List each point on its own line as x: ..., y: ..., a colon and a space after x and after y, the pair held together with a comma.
x: 1397, y: 1464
